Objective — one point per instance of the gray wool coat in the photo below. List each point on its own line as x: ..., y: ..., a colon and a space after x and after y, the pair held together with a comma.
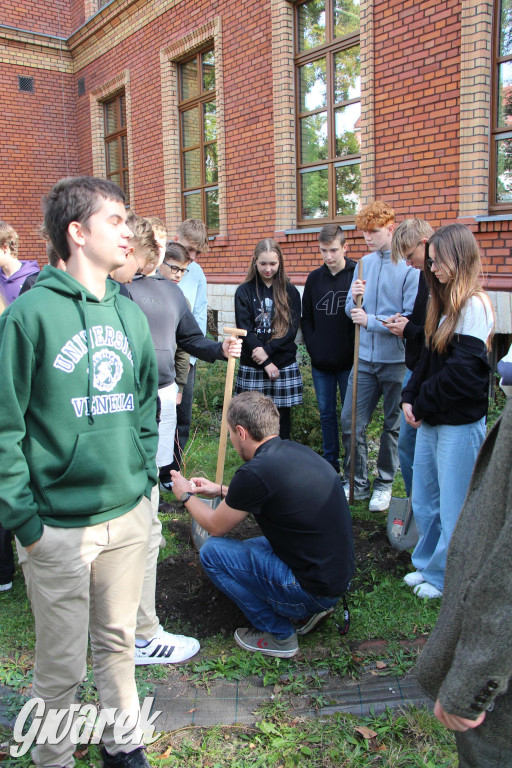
x: 467, y: 661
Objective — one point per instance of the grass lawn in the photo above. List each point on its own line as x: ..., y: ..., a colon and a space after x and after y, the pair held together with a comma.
x: 382, y: 607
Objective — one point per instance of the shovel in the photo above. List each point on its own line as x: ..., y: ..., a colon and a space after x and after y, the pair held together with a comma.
x: 355, y: 372
x: 199, y: 535
x: 401, y: 528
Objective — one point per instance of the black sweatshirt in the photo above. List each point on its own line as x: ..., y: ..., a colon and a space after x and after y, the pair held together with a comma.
x: 254, y: 311
x: 170, y: 321
x: 450, y: 388
x: 328, y: 332
x: 414, y: 331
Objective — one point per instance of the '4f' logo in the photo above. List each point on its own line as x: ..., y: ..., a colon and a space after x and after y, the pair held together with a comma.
x: 332, y: 303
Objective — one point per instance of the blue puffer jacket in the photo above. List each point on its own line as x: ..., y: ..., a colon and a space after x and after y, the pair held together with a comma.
x: 390, y: 288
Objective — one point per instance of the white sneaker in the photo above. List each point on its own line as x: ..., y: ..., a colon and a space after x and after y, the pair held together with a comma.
x: 5, y: 587
x: 166, y: 648
x: 380, y: 499
x: 428, y: 591
x: 414, y: 578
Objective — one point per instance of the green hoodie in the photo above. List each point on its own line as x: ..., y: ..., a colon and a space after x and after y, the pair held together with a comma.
x: 77, y: 407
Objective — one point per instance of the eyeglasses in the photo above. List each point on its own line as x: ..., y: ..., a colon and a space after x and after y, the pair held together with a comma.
x: 411, y: 254
x: 175, y: 270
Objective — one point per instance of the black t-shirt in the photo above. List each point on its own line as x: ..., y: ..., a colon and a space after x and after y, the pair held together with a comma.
x: 299, y: 503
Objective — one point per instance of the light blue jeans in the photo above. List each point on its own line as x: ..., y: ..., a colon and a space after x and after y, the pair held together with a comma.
x: 263, y: 587
x: 443, y: 462
x: 406, y: 445
x: 326, y: 385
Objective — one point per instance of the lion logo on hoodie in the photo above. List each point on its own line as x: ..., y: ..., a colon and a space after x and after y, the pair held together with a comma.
x: 108, y: 369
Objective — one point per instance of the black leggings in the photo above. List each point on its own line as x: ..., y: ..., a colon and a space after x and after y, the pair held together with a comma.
x: 285, y: 423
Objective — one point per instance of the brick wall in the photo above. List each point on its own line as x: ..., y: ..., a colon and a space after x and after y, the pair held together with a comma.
x: 51, y: 17
x: 415, y: 88
x: 37, y: 146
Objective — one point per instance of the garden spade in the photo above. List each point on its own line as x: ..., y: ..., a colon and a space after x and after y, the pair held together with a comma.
x: 199, y: 535
x: 401, y: 528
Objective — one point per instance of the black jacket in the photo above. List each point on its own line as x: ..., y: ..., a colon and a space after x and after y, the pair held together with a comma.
x: 254, y: 311
x: 328, y: 332
x: 414, y: 331
x: 450, y: 388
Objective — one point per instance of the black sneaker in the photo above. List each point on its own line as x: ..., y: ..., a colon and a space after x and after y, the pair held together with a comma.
x: 166, y: 485
x: 306, y: 626
x: 135, y: 759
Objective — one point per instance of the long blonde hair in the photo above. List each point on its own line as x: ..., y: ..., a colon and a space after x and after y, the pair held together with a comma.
x: 281, y: 319
x: 457, y: 251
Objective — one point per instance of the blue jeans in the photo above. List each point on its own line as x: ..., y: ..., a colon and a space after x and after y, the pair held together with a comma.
x: 326, y: 384
x: 443, y: 463
x: 262, y: 586
x: 406, y: 445
x: 374, y: 380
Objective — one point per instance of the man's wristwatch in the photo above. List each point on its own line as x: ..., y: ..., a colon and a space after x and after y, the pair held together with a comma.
x: 185, y: 497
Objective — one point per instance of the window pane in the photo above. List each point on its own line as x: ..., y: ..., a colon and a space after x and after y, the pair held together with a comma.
x: 190, y: 127
x: 504, y: 171
x: 505, y: 95
x: 311, y: 24
x: 210, y: 121
x: 312, y: 86
x: 122, y: 108
x: 348, y: 189
x: 115, y: 177
x: 347, y: 81
x: 348, y: 130
x: 124, y: 151
x: 192, y: 168
x: 314, y: 195
x: 111, y: 149
x: 506, y: 28
x: 188, y: 77
x: 110, y: 114
x: 212, y: 209
x: 208, y: 60
x: 126, y: 186
x: 346, y: 17
x: 210, y: 161
x: 313, y: 138
x: 193, y: 206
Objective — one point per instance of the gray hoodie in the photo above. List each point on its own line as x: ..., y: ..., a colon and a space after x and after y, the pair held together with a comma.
x: 390, y: 288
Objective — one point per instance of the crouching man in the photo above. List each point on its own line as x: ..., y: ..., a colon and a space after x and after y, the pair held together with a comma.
x: 291, y: 578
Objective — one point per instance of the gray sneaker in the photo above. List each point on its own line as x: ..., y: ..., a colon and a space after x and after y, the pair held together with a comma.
x: 308, y: 625
x: 254, y: 640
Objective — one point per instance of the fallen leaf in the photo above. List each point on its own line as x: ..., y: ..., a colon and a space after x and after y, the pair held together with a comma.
x: 252, y: 746
x: 165, y: 754
x: 380, y: 664
x: 189, y: 712
x: 365, y: 732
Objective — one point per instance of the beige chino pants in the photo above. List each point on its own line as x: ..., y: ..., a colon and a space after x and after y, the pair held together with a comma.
x: 81, y: 579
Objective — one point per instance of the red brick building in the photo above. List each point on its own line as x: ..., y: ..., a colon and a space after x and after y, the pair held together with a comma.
x: 265, y: 118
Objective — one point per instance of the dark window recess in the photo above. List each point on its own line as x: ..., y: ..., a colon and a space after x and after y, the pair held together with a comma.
x: 26, y: 84
x: 81, y: 86
x: 212, y: 323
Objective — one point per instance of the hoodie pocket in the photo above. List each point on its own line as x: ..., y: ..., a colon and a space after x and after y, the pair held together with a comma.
x: 106, y: 471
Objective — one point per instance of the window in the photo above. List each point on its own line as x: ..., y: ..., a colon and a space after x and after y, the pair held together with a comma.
x: 198, y: 139
x: 501, y: 133
x: 116, y: 142
x: 328, y: 108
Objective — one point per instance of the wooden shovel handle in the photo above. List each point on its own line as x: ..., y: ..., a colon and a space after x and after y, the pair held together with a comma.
x: 355, y: 371
x: 228, y: 393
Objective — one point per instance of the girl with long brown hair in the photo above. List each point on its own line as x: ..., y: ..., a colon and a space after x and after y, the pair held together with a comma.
x: 268, y: 307
x: 446, y: 398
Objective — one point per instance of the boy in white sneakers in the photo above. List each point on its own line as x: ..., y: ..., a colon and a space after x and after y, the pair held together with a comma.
x: 387, y: 288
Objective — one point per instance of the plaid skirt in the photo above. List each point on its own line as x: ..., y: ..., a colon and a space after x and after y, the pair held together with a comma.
x: 285, y: 391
